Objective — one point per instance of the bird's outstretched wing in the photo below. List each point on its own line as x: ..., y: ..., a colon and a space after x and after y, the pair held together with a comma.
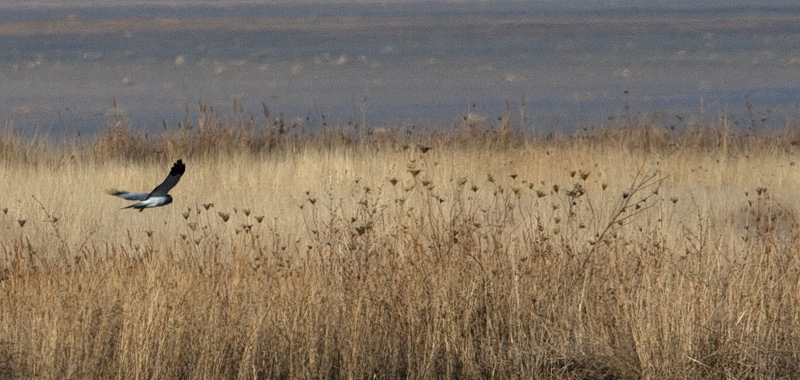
x: 127, y: 195
x: 172, y: 179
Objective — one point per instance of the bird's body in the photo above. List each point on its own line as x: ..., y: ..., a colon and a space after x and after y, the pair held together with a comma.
x: 148, y: 202
x: 158, y: 197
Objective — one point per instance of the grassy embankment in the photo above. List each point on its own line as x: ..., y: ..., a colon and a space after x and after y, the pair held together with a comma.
x: 624, y: 253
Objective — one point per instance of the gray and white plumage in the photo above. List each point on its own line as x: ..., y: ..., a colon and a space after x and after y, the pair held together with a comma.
x: 157, y: 197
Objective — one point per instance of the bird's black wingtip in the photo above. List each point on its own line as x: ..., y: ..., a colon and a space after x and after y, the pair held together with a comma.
x: 178, y: 168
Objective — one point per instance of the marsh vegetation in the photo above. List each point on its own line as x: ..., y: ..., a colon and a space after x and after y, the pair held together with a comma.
x: 632, y: 251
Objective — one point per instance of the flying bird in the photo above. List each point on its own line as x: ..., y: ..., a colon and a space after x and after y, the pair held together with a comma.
x: 157, y: 197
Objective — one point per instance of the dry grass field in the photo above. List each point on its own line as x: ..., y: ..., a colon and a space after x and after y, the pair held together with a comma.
x: 622, y: 253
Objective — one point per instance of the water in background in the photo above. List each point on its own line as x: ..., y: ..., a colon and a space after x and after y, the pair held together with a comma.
x: 553, y: 70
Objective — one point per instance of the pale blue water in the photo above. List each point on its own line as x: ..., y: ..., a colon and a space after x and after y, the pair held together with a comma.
x: 419, y: 65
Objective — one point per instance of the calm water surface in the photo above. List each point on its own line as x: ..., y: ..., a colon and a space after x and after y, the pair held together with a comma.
x: 398, y: 65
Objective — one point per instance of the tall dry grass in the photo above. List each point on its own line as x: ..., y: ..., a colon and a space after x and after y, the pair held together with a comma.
x: 621, y: 253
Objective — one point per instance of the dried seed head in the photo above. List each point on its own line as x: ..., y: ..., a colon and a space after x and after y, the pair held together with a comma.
x: 312, y: 200
x: 185, y: 215
x: 414, y: 172
x: 490, y: 178
x: 474, y: 188
x: 572, y: 174
x: 259, y: 218
x: 540, y: 193
x: 246, y: 212
x: 513, y: 176
x: 21, y: 222
x: 149, y: 233
x: 208, y: 205
x: 577, y: 191
x: 461, y: 181
x: 585, y: 175
x: 5, y: 210
x: 423, y: 148
x: 393, y: 181
x: 674, y: 200
x: 224, y: 216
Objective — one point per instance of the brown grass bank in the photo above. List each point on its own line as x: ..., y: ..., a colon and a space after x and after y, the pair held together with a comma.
x: 624, y: 253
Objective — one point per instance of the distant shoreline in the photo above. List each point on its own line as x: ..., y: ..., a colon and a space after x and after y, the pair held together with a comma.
x: 74, y: 24
x: 397, y: 64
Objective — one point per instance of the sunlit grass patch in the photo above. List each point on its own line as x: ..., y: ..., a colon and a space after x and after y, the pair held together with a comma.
x: 621, y: 253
